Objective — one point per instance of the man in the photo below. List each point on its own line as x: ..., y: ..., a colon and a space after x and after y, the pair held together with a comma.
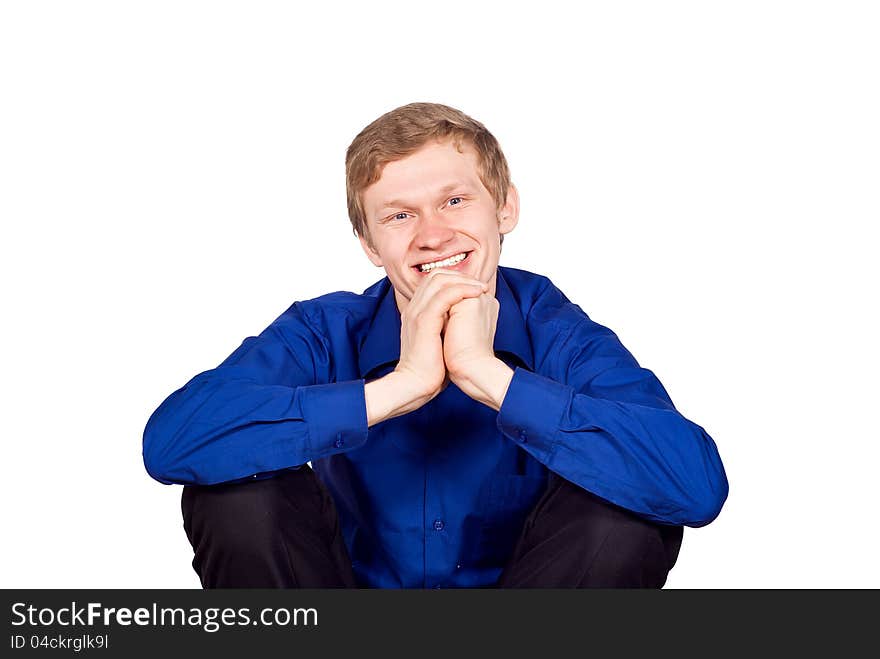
x: 466, y: 424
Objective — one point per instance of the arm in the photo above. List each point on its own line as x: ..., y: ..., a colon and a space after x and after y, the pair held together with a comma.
x: 608, y: 425
x: 267, y: 407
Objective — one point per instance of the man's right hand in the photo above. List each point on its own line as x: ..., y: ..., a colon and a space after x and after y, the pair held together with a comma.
x: 422, y: 324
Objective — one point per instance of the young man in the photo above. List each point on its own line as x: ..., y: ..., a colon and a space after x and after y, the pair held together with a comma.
x: 467, y: 425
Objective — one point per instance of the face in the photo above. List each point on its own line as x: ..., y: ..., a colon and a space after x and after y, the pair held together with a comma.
x: 431, y: 206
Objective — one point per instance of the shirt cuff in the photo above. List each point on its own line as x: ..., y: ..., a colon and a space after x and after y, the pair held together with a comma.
x: 336, y: 416
x: 531, y: 411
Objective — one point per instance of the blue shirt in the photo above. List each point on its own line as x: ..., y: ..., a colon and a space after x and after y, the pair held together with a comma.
x: 438, y: 497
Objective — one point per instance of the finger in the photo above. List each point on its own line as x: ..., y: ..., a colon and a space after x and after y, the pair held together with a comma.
x: 437, y: 279
x: 434, y: 283
x: 437, y: 306
x: 467, y: 302
x: 443, y: 277
x: 442, y: 282
x: 451, y: 295
x: 439, y: 292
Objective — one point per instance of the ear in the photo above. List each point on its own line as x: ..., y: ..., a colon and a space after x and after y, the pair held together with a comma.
x: 371, y: 253
x: 508, y: 216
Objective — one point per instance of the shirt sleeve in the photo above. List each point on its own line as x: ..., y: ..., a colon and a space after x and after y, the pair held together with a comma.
x: 609, y: 426
x: 266, y: 408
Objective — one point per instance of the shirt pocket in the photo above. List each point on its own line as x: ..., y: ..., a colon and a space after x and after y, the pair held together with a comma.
x: 509, y: 500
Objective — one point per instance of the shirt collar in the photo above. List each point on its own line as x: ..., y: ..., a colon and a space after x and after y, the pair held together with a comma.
x: 381, y: 345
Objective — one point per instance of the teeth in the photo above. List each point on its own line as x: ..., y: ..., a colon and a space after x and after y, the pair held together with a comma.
x: 445, y: 263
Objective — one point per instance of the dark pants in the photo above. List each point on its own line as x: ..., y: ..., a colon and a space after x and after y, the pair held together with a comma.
x: 283, y: 532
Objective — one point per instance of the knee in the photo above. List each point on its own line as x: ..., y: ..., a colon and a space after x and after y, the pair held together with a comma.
x: 627, y: 551
x: 614, y: 548
x: 243, y: 518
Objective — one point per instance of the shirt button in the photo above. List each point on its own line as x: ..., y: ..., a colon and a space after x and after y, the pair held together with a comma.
x: 339, y: 443
x: 523, y: 437
x: 438, y: 524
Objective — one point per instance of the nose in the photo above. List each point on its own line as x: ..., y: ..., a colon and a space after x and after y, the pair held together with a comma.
x: 432, y: 231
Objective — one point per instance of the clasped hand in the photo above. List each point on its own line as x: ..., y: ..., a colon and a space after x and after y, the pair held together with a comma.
x: 448, y: 331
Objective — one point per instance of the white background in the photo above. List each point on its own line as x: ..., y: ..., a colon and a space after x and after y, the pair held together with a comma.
x: 700, y: 177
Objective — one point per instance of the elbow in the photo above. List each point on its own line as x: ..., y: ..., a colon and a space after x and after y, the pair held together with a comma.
x: 708, y: 485
x: 155, y: 466
x: 155, y: 454
x: 708, y: 504
x: 164, y: 450
x: 156, y: 469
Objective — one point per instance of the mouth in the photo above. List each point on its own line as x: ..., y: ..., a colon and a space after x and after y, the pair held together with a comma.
x: 454, y: 262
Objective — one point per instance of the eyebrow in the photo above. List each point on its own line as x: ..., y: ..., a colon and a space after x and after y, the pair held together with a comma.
x: 446, y: 189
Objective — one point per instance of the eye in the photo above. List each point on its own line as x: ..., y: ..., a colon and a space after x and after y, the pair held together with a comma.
x: 460, y: 200
x: 398, y: 216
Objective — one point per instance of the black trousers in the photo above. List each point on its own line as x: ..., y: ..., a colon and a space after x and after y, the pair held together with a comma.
x: 284, y: 532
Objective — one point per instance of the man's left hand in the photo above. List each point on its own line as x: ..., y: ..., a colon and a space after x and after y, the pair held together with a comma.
x: 468, y: 350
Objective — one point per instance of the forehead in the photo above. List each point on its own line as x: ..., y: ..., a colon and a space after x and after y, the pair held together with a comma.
x: 435, y: 167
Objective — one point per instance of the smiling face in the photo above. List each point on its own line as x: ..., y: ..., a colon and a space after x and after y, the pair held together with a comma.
x: 431, y: 206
